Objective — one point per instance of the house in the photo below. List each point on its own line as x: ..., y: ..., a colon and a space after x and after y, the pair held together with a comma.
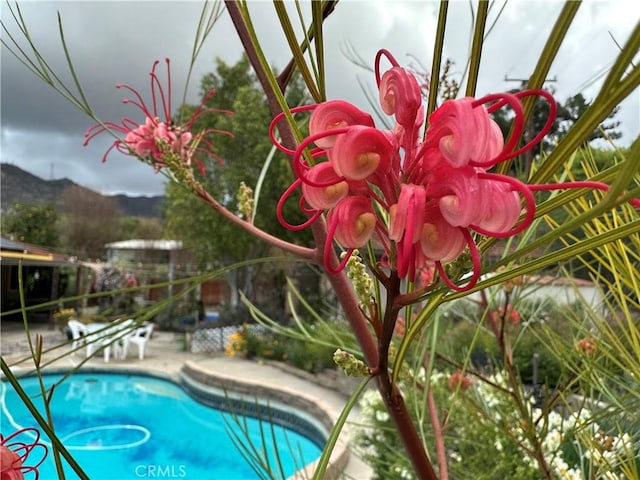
x: 161, y: 262
x: 46, y: 276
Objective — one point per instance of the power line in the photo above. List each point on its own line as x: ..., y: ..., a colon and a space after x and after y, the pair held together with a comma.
x: 524, y: 81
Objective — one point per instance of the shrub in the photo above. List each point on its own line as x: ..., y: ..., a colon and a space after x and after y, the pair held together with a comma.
x: 312, y: 353
x: 486, y: 439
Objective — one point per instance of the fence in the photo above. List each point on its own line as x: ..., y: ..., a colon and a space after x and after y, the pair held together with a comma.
x: 208, y: 339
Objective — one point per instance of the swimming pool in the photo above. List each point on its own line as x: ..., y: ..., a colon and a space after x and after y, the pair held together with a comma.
x: 122, y: 426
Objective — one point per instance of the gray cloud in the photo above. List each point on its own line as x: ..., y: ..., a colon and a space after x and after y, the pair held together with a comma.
x: 113, y: 42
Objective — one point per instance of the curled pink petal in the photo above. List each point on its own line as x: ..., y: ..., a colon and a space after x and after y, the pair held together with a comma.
x: 502, y: 209
x: 406, y: 219
x: 461, y: 196
x: 354, y: 221
x: 440, y: 241
x: 475, y: 273
x: 336, y: 114
x: 360, y: 152
x: 10, y: 464
x: 407, y: 216
x: 465, y: 133
x: 530, y: 205
x: 333, y: 188
x: 400, y: 96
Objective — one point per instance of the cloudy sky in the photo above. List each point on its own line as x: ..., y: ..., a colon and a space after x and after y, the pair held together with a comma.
x: 112, y: 42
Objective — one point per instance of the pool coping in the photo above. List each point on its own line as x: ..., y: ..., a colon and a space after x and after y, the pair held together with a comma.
x: 279, y: 397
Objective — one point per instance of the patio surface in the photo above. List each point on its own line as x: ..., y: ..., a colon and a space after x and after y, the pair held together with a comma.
x: 164, y: 355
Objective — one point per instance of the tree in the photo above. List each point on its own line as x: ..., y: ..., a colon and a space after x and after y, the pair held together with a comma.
x: 574, y: 107
x: 567, y: 115
x: 37, y: 224
x: 212, y: 239
x: 141, y: 228
x: 90, y: 221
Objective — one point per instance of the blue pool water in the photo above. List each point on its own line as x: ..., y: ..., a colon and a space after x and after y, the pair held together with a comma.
x: 121, y: 427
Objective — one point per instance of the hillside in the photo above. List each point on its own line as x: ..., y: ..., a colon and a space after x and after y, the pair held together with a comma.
x: 19, y: 186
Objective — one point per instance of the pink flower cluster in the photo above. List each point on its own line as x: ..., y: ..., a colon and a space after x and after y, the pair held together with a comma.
x: 509, y: 314
x: 156, y: 138
x: 14, y: 453
x: 458, y: 381
x: 418, y: 193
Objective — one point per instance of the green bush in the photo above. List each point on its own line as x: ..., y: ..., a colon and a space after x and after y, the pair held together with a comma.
x: 312, y: 354
x: 267, y: 346
x: 467, y: 338
x: 309, y: 356
x: 486, y: 438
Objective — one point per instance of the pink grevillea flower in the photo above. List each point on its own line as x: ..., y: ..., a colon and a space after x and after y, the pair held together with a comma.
x: 16, y: 449
x: 421, y: 195
x: 510, y: 314
x: 158, y: 137
x: 457, y: 381
x: 324, y: 188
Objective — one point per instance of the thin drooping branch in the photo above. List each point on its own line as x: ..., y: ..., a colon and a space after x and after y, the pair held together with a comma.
x: 299, y: 251
x: 438, y: 433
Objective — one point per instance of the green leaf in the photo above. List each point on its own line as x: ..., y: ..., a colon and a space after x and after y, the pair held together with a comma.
x: 296, y: 50
x: 476, y: 48
x: 337, y: 429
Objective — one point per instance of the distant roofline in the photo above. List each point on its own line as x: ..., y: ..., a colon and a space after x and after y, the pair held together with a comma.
x: 145, y: 245
x: 13, y: 252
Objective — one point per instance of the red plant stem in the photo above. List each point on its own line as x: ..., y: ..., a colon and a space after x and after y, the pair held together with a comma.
x: 340, y: 284
x: 438, y: 436
x: 391, y: 396
x: 344, y: 293
x: 406, y: 429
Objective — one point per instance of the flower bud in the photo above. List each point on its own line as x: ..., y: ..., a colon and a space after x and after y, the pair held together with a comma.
x: 350, y: 365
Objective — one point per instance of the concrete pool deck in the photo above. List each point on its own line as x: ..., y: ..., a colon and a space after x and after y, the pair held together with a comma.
x: 165, y: 356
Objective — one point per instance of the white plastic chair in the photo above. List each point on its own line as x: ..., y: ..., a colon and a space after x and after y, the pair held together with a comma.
x: 114, y: 336
x: 139, y: 337
x: 78, y: 333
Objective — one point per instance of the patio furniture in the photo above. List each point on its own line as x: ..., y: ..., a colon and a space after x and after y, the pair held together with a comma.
x: 139, y: 337
x: 106, y: 336
x: 78, y: 333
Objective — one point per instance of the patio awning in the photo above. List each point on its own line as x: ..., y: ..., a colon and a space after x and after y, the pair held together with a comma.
x: 14, y: 253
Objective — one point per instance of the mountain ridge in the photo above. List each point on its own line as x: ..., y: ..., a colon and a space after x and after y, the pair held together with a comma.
x: 19, y: 186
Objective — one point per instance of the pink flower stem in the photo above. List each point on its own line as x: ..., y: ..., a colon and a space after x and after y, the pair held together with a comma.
x: 515, y: 384
x: 297, y: 250
x: 341, y: 286
x: 438, y: 434
x: 389, y: 391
